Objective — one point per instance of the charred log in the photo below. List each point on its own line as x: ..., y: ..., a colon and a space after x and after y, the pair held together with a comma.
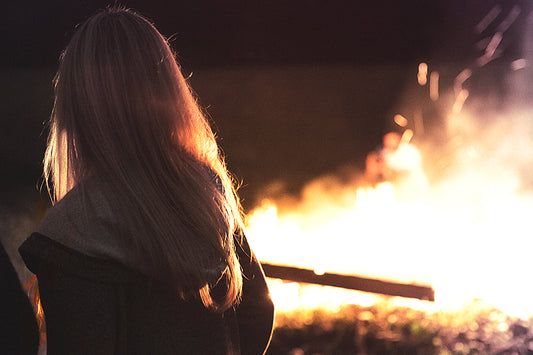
x: 350, y: 282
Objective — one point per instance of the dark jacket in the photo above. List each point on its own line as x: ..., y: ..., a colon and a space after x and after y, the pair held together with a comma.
x: 19, y: 333
x: 99, y: 306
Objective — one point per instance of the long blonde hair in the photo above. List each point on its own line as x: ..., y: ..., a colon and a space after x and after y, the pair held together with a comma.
x: 123, y: 113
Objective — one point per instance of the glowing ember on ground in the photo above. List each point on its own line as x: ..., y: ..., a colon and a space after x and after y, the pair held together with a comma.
x: 467, y: 235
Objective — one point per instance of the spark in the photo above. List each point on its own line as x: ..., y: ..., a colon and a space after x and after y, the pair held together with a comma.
x: 487, y: 20
x: 518, y: 64
x: 400, y: 120
x: 419, y: 122
x: 491, y: 51
x: 460, y: 79
x: 459, y: 101
x: 508, y: 21
x: 407, y: 136
x: 493, y: 44
x: 422, y: 75
x: 484, y: 60
x: 434, y: 86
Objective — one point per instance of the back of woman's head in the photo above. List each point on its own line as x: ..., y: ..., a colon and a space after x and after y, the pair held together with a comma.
x: 119, y: 91
x: 124, y: 114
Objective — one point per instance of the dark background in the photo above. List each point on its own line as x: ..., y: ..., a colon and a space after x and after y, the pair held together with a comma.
x: 295, y: 88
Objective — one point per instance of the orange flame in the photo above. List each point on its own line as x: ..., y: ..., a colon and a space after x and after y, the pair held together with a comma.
x: 466, y: 234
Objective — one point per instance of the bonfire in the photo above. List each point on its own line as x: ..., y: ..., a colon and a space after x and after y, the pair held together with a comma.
x: 453, y: 219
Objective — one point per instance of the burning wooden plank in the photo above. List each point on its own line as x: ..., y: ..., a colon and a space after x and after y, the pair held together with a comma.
x: 350, y: 282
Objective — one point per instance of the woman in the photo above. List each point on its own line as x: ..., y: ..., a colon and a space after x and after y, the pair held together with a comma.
x: 143, y: 251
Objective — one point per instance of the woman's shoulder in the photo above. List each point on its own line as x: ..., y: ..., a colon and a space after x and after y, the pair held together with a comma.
x: 40, y: 251
x: 83, y: 221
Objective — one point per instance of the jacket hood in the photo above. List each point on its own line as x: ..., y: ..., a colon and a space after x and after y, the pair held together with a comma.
x: 83, y: 220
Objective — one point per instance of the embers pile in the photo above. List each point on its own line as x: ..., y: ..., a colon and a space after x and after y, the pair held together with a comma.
x: 387, y: 329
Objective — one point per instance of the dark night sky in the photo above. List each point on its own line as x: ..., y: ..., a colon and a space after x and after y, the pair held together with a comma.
x: 214, y: 33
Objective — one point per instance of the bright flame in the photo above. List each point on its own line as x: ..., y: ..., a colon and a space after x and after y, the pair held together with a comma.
x: 468, y: 235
